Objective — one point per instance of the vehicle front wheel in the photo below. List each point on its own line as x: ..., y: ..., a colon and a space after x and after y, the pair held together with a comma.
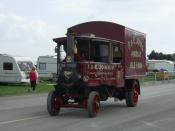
x: 53, y: 103
x: 93, y: 104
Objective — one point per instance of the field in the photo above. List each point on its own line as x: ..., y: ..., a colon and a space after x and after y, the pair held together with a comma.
x: 18, y: 89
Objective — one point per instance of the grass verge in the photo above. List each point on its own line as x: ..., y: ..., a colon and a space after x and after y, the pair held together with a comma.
x: 19, y: 89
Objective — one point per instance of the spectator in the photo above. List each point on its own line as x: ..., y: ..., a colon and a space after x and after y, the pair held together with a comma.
x: 33, y: 78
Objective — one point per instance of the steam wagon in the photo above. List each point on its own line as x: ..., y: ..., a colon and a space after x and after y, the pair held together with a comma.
x: 103, y: 60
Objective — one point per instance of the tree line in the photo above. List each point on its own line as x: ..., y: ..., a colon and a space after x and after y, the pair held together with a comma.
x: 160, y: 56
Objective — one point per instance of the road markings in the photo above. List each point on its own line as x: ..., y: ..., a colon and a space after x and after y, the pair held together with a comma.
x: 149, y: 124
x: 24, y: 119
x: 31, y: 118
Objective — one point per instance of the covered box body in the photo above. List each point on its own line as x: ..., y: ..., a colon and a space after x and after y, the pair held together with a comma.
x: 133, y: 44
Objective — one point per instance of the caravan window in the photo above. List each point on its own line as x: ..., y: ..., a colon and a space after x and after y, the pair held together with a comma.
x: 25, y: 66
x: 42, y: 66
x: 7, y: 66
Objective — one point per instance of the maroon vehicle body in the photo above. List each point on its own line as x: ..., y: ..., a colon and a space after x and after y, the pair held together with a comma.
x: 117, y: 76
x: 132, y: 45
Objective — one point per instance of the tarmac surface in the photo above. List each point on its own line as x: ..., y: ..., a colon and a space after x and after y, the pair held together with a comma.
x: 155, y: 112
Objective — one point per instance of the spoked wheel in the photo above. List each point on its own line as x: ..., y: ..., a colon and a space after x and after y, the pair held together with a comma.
x: 133, y: 95
x: 93, y: 104
x: 53, y: 103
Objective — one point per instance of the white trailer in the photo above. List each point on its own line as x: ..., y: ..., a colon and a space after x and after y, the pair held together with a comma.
x: 160, y: 65
x: 47, y: 66
x: 15, y: 69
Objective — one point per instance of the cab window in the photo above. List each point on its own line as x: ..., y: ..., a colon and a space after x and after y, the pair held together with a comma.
x: 82, y: 50
x: 116, y: 54
x: 100, y: 51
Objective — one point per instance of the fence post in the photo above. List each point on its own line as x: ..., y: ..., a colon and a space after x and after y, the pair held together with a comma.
x: 155, y: 76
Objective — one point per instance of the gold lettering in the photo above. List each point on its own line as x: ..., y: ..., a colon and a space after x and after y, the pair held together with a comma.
x: 136, y: 65
x: 136, y: 54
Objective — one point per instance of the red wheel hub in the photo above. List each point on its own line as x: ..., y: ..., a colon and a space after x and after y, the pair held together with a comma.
x: 57, y: 102
x: 96, y: 105
x: 135, y: 94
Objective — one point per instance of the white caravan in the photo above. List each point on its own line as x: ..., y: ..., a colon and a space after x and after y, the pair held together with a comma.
x: 47, y: 66
x: 14, y: 69
x: 161, y: 64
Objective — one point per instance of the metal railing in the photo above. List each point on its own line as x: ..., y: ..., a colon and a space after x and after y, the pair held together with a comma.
x: 158, y: 76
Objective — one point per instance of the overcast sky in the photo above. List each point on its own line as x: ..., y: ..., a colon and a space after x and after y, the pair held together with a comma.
x: 28, y: 26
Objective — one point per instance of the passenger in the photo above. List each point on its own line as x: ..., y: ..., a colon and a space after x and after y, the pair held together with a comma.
x: 33, y: 78
x: 79, y: 57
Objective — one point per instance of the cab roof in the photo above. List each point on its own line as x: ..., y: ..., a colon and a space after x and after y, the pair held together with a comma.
x: 98, y: 29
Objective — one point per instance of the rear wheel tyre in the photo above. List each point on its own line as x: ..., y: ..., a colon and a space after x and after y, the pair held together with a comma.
x: 133, y: 95
x: 93, y: 104
x: 53, y: 103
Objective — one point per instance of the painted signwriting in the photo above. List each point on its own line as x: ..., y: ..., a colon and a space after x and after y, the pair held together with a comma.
x: 136, y: 48
x: 136, y: 65
x: 136, y: 42
x: 105, y: 71
x: 100, y: 67
x: 136, y: 54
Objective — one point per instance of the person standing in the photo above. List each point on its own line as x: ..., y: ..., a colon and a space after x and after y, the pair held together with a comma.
x: 33, y: 78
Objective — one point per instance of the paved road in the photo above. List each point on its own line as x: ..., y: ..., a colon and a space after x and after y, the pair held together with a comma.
x: 155, y: 112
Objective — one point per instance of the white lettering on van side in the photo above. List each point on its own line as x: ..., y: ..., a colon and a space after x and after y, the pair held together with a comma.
x: 136, y: 53
x: 136, y: 65
x: 136, y: 42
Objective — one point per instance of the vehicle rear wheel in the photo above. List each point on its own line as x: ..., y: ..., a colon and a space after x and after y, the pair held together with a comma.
x: 53, y: 103
x: 93, y: 104
x: 133, y: 95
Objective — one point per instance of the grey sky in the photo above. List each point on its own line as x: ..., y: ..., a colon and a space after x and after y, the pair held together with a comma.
x: 28, y: 26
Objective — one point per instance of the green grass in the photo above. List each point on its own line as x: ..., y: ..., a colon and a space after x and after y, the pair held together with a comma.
x: 20, y: 89
x: 148, y: 78
x: 151, y: 77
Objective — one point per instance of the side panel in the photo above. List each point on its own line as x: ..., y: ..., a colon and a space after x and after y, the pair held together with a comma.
x: 135, y: 54
x: 102, y: 73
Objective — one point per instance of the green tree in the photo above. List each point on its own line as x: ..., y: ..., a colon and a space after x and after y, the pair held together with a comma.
x: 160, y: 56
x: 153, y: 55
